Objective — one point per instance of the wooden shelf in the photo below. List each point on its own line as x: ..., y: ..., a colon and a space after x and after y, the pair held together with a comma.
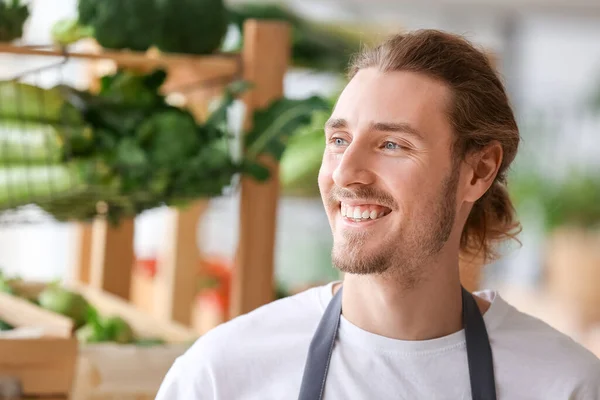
x: 209, y: 66
x: 106, y: 253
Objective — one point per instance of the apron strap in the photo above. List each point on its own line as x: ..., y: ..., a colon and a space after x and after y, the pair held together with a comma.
x: 319, y: 353
x: 479, y: 351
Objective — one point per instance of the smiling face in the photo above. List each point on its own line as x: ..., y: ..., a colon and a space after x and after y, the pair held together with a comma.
x: 388, y: 179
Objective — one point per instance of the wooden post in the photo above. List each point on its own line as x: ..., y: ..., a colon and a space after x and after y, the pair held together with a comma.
x: 265, y: 60
x: 112, y: 256
x: 178, y: 267
x: 82, y: 270
x: 176, y: 282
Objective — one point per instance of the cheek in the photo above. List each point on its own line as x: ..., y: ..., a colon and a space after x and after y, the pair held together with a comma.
x: 325, y: 178
x: 408, y: 185
x: 324, y: 182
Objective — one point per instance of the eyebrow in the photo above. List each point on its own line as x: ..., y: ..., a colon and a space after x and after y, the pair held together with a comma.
x: 401, y: 127
x: 336, y: 123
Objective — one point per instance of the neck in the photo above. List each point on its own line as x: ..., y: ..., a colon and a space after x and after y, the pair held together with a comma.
x: 432, y: 309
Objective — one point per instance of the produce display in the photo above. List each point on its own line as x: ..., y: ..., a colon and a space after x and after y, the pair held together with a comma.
x: 173, y: 26
x: 200, y: 27
x: 13, y: 15
x: 68, y: 150
x: 314, y: 45
x: 90, y: 326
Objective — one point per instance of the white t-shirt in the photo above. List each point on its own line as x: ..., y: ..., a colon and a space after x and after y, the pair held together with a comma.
x: 261, y: 356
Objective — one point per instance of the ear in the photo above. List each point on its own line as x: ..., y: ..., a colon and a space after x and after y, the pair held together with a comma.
x: 484, y: 165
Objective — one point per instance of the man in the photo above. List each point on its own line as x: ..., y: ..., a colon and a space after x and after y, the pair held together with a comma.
x: 413, y: 178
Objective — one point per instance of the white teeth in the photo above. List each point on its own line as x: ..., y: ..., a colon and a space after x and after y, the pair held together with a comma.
x: 360, y: 213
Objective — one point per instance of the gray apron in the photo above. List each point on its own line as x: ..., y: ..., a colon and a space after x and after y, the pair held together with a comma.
x: 479, y: 351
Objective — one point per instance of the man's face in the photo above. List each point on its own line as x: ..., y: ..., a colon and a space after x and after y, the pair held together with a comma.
x: 388, y: 179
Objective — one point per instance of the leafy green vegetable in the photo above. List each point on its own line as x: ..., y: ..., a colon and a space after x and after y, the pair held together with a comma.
x: 29, y: 143
x: 68, y: 31
x: 24, y: 185
x: 93, y: 331
x: 4, y: 326
x: 90, y: 333
x: 274, y: 125
x: 13, y: 16
x: 301, y: 161
x: 117, y: 24
x: 131, y: 89
x: 112, y: 329
x: 65, y: 302
x: 180, y: 26
x: 191, y: 26
x: 118, y: 330
x: 132, y: 151
x: 170, y: 138
x: 25, y: 102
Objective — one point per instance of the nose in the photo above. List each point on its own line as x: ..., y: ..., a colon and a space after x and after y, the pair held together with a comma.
x: 353, y: 168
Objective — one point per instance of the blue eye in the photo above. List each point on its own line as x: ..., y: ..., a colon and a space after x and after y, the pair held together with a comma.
x: 338, y: 141
x: 391, y: 146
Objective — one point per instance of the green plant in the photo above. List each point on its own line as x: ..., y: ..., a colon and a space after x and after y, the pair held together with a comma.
x: 13, y: 15
x: 179, y: 26
x: 301, y: 160
x: 68, y: 31
x: 127, y: 148
x: 191, y: 26
x: 571, y: 201
x: 65, y: 302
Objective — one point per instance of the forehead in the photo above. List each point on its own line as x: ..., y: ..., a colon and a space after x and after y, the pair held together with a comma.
x: 395, y: 97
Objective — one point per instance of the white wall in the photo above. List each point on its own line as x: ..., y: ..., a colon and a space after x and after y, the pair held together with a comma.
x: 560, y: 59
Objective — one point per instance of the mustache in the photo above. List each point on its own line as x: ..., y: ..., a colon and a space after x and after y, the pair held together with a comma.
x: 368, y: 193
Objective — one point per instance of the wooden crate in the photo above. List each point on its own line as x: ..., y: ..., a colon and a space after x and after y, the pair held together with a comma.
x: 122, y: 372
x: 111, y: 371
x: 59, y: 365
x: 44, y: 366
x: 43, y: 363
x: 107, y: 304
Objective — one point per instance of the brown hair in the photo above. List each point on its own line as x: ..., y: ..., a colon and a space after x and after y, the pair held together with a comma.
x: 480, y: 114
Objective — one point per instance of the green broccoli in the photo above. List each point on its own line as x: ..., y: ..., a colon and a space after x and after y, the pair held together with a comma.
x: 119, y: 24
x: 13, y: 16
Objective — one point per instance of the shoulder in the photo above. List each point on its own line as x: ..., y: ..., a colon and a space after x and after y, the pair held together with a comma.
x: 283, y: 317
x: 521, y: 339
x: 264, y: 335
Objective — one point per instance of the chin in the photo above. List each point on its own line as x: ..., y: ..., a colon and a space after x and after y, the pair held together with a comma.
x: 360, y: 260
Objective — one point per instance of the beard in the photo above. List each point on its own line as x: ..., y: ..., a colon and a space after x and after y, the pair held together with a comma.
x: 403, y: 254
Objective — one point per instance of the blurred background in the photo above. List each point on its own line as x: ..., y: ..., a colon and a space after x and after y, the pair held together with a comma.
x: 548, y: 54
